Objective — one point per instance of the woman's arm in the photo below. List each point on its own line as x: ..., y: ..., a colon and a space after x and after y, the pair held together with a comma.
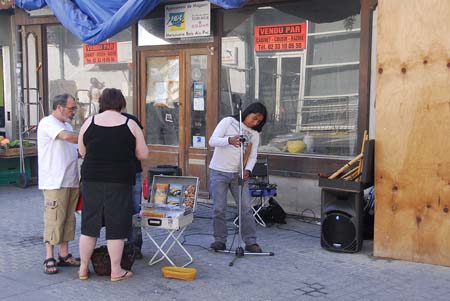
x: 81, y: 146
x: 141, y: 151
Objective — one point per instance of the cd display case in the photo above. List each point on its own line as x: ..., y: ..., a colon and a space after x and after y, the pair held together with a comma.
x: 171, y: 204
x: 174, y: 192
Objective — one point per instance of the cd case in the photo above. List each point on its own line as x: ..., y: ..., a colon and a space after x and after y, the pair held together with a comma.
x: 174, y: 192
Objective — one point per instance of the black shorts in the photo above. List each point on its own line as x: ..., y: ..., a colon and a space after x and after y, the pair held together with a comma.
x: 109, y: 205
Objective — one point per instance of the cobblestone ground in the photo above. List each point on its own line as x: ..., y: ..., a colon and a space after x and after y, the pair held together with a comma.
x: 300, y: 269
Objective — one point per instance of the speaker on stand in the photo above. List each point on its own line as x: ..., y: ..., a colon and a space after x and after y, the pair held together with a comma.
x: 341, y: 220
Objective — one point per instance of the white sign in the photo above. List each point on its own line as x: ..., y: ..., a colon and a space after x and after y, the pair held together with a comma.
x: 187, y: 20
x: 198, y: 142
x: 199, y: 104
x: 229, y: 56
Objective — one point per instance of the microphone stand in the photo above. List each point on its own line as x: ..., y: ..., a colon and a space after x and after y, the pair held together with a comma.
x: 239, y: 252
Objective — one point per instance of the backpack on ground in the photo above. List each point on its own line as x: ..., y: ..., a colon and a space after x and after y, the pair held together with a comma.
x: 274, y: 213
x: 102, y: 263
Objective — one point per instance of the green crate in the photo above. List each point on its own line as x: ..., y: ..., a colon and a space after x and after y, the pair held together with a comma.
x: 8, y: 180
x: 10, y: 170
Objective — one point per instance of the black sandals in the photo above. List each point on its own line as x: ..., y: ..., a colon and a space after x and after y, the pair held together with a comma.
x: 68, y: 261
x: 50, y: 266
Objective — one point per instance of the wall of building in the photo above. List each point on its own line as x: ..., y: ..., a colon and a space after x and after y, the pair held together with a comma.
x: 298, y: 196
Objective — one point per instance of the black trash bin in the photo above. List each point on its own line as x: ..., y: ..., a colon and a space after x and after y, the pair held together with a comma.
x: 165, y: 170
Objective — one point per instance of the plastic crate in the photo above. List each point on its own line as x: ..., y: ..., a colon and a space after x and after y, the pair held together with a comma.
x: 8, y: 180
x: 10, y: 170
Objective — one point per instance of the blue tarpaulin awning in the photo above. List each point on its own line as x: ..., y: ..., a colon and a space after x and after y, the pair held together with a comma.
x: 95, y: 21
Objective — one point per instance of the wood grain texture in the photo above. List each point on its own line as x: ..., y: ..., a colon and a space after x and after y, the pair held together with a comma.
x: 412, y: 157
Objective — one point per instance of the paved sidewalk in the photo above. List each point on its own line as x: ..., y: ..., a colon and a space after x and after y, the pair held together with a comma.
x: 300, y: 269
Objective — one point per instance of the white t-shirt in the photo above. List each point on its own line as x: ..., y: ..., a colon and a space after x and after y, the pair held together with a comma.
x: 57, y: 159
x: 227, y: 157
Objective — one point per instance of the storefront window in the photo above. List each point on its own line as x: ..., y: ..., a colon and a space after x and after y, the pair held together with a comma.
x: 84, y: 71
x: 306, y: 73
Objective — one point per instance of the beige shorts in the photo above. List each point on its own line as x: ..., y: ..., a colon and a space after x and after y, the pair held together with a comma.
x: 59, y: 214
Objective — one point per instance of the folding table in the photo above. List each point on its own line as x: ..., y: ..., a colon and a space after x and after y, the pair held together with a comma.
x: 175, y: 226
x: 174, y: 219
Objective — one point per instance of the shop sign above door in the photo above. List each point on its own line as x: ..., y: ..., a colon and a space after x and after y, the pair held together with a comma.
x: 101, y: 53
x: 280, y: 37
x: 187, y: 20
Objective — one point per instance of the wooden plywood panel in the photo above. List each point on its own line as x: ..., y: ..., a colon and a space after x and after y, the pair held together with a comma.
x: 412, y: 157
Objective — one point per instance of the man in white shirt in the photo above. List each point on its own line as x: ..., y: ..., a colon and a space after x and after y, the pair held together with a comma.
x: 58, y: 180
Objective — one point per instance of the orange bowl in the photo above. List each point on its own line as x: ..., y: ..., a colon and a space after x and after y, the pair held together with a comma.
x: 179, y: 273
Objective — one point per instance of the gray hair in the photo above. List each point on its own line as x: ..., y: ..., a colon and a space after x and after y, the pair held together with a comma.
x: 61, y: 100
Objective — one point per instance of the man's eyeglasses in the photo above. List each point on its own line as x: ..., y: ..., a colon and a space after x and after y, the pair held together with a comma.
x: 73, y: 109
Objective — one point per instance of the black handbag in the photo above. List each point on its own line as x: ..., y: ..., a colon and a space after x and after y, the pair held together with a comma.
x: 102, y: 263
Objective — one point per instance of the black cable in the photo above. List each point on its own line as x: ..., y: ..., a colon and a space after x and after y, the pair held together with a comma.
x: 200, y: 246
x: 205, y: 205
x: 300, y: 220
x: 183, y: 241
x: 209, y: 206
x: 304, y: 219
x: 230, y: 219
x: 310, y: 210
x: 290, y: 230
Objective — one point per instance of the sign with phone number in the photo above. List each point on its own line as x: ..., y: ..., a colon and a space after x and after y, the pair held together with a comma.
x: 101, y: 53
x: 281, y: 37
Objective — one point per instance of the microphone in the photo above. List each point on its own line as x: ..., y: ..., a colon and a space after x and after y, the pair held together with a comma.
x: 237, y: 100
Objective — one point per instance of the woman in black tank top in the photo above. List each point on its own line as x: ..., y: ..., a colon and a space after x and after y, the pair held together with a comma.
x: 107, y: 174
x: 109, y: 154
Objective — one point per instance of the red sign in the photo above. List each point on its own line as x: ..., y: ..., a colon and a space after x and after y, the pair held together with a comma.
x: 100, y: 53
x: 280, y: 37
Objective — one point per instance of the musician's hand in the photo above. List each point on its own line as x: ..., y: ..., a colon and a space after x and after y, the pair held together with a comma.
x: 235, y: 141
x: 246, y: 175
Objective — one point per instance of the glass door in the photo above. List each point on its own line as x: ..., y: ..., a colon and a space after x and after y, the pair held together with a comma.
x: 162, y: 100
x: 177, y: 98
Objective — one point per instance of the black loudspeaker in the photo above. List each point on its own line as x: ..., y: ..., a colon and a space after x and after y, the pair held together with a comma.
x: 341, y: 218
